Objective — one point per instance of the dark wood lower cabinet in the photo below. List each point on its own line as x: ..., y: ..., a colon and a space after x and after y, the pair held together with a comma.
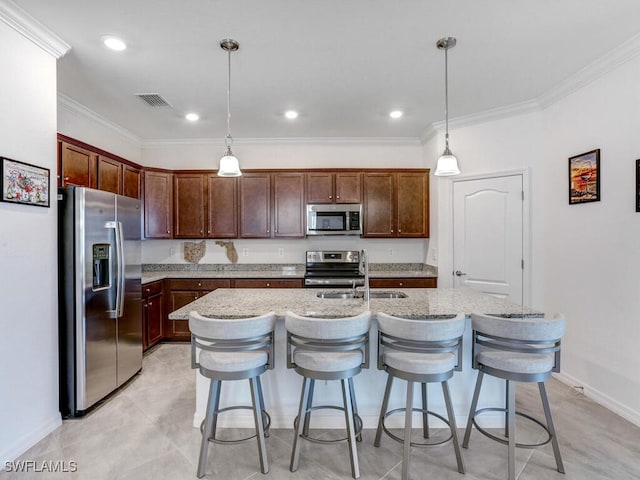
x: 403, y: 282
x: 153, y: 313
x: 267, y: 283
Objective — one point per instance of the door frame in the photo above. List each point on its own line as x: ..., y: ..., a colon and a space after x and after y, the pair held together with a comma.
x: 526, y: 224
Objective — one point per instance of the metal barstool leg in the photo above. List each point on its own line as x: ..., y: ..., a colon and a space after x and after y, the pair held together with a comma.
x: 214, y: 393
x: 552, y: 430
x: 511, y: 407
x: 262, y: 409
x: 472, y: 410
x: 216, y: 404
x: 425, y: 415
x: 452, y: 425
x: 506, y: 411
x: 354, y: 405
x: 383, y: 410
x: 295, y: 451
x: 307, y: 415
x: 351, y: 437
x: 257, y: 417
x: 408, y: 416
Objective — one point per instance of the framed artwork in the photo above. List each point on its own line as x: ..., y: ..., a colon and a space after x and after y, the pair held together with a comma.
x: 637, y: 185
x: 584, y: 177
x: 24, y: 183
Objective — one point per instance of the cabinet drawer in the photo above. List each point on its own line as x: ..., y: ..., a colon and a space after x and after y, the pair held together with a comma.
x: 403, y: 282
x: 267, y: 283
x: 152, y: 288
x: 199, y: 284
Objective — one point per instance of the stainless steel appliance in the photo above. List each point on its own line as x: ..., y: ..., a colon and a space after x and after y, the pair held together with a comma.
x: 334, y: 269
x: 334, y: 219
x: 100, y: 321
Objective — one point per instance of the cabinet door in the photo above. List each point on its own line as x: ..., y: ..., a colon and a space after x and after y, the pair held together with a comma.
x: 109, y: 175
x: 155, y: 314
x: 288, y: 204
x: 403, y: 283
x: 255, y: 205
x: 189, y: 205
x: 378, y: 205
x: 320, y: 187
x: 131, y: 179
x: 179, y: 329
x: 412, y: 211
x: 158, y: 204
x: 77, y: 166
x: 348, y: 187
x: 267, y: 283
x: 223, y: 207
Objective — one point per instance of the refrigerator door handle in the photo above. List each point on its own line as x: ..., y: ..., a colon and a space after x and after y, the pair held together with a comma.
x: 118, y: 309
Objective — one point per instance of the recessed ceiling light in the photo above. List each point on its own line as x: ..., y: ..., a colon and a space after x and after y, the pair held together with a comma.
x: 114, y: 43
x: 396, y: 114
x: 192, y: 117
x: 291, y: 114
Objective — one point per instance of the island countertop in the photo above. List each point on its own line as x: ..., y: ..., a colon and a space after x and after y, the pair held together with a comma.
x: 419, y: 303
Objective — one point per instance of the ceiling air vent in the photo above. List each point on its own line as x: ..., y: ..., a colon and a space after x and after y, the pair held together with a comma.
x: 153, y: 99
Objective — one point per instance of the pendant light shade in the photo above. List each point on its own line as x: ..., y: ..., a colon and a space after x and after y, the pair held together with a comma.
x: 229, y: 165
x: 447, y: 163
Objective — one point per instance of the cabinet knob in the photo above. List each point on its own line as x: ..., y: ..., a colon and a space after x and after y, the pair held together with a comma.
x: 267, y: 230
x: 392, y: 230
x: 399, y: 231
x: 337, y: 196
x: 150, y: 303
x: 147, y: 289
x: 268, y: 284
x: 66, y: 178
x: 208, y: 231
x: 145, y: 305
x: 401, y: 283
x: 199, y: 284
x: 330, y: 196
x: 200, y: 231
x: 168, y: 231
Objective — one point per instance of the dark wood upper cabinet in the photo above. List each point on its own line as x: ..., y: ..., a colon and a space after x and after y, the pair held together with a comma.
x: 158, y: 204
x: 222, y: 217
x: 328, y: 187
x: 77, y: 166
x: 412, y: 207
x: 396, y: 204
x: 109, y: 175
x: 189, y: 205
x: 288, y: 204
x: 378, y: 205
x: 131, y: 181
x: 255, y: 205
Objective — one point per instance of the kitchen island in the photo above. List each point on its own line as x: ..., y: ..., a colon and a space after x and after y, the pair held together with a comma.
x: 282, y: 386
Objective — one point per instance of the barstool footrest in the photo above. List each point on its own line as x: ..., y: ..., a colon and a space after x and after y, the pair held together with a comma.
x: 266, y: 424
x: 505, y: 440
x: 417, y: 410
x: 357, y: 421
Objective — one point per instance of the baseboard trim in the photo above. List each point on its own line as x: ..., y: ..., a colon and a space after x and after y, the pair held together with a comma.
x: 24, y: 443
x: 601, y: 398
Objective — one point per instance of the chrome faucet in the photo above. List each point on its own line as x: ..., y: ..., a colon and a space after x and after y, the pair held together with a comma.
x: 365, y: 266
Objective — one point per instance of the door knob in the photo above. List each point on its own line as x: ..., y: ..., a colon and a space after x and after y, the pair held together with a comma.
x: 458, y: 273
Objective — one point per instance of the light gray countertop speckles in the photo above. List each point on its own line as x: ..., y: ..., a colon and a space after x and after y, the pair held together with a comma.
x: 420, y: 303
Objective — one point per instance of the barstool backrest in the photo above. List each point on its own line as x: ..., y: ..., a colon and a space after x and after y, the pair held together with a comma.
x: 328, y: 334
x: 520, y: 335
x: 232, y: 335
x: 428, y: 335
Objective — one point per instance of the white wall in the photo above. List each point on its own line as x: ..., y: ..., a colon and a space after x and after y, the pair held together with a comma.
x: 591, y: 251
x: 28, y: 252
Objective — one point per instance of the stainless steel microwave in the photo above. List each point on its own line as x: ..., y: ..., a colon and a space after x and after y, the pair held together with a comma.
x: 334, y: 219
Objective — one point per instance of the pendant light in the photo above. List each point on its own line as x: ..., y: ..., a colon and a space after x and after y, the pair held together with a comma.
x: 229, y: 166
x: 447, y: 163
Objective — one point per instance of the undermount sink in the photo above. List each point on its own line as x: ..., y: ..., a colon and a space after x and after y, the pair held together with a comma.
x: 360, y: 294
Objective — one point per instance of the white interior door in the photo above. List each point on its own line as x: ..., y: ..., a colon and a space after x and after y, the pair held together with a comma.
x: 488, y: 235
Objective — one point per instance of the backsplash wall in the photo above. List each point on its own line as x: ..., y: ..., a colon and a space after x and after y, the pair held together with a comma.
x: 276, y: 251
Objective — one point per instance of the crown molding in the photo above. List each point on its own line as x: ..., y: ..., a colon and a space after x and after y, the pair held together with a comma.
x: 325, y: 141
x: 75, y: 107
x: 29, y: 27
x: 618, y: 56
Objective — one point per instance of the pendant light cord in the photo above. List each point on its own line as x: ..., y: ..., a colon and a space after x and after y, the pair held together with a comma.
x: 229, y: 139
x: 446, y: 97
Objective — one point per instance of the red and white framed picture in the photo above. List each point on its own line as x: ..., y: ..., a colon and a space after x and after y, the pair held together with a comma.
x: 24, y: 183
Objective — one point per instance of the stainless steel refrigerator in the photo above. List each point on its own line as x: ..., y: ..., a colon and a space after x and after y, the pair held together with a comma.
x: 100, y: 321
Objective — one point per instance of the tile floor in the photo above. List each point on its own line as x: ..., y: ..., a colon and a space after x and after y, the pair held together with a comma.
x: 145, y: 432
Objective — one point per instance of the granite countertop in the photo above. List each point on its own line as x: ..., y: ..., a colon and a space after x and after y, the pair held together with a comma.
x: 152, y: 273
x: 420, y: 303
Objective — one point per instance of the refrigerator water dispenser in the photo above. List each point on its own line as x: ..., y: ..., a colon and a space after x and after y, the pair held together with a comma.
x: 101, y: 270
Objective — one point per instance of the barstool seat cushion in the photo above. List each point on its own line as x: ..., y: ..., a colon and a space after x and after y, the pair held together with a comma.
x: 233, y: 361
x: 327, y: 361
x: 420, y: 363
x: 517, y: 362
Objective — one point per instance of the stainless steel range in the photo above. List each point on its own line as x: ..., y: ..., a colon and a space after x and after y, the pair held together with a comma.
x: 334, y: 269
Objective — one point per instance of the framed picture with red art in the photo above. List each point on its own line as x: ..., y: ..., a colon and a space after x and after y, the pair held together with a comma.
x: 584, y: 177
x: 24, y: 183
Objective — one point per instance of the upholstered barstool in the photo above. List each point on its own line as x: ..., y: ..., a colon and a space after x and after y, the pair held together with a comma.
x: 423, y: 351
x: 232, y: 349
x: 516, y: 350
x: 327, y: 349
